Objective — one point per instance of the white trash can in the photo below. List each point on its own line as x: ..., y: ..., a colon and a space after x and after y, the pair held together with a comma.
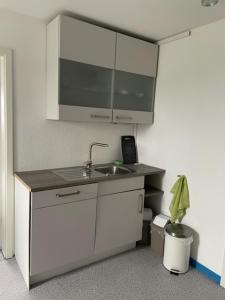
x: 178, y: 239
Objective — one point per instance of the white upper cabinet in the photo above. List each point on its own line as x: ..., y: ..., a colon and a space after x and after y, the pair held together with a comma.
x: 80, y: 62
x: 136, y: 56
x: 134, y: 80
x: 86, y: 43
x: 97, y: 75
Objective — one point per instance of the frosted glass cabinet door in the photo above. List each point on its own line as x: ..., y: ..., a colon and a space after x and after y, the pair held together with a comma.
x: 133, y: 92
x: 84, y: 85
x: 133, y: 100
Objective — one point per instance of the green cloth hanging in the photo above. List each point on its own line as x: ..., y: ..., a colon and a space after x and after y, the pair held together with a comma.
x: 180, y: 201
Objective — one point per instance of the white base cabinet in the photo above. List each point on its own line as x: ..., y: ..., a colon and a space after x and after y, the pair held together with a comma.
x: 119, y: 220
x: 62, y: 229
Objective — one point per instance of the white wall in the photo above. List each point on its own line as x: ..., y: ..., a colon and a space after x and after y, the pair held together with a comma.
x: 40, y: 143
x: 188, y: 136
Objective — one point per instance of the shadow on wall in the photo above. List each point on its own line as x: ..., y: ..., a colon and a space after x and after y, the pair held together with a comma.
x: 195, y: 245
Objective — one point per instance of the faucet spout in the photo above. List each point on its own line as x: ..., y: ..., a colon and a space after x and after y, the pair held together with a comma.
x: 89, y: 162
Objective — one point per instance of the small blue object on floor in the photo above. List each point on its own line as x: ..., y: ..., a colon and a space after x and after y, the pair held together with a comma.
x: 207, y: 272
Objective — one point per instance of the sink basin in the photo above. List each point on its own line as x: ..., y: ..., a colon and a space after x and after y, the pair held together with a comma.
x: 113, y: 170
x: 76, y: 174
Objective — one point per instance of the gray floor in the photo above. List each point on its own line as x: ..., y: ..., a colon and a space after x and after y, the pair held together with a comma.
x: 134, y: 275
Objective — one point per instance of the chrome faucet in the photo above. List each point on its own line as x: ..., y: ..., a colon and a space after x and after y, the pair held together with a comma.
x: 88, y: 164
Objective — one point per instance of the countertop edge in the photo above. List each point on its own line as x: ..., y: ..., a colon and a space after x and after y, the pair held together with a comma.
x: 85, y: 181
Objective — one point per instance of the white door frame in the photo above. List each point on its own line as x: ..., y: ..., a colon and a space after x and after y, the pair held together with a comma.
x: 222, y: 282
x: 7, y: 205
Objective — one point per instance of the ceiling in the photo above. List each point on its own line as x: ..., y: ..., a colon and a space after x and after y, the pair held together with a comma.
x: 153, y: 19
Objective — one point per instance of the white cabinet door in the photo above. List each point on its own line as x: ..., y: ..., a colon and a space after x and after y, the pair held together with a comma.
x: 87, y: 43
x: 62, y: 234
x: 85, y: 92
x: 119, y: 220
x: 136, y: 56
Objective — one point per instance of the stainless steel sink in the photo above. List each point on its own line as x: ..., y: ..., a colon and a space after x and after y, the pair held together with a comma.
x: 113, y: 170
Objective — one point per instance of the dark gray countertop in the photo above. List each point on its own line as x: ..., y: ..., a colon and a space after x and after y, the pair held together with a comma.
x: 42, y: 180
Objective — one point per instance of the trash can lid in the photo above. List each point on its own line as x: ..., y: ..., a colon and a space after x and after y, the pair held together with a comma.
x: 179, y: 230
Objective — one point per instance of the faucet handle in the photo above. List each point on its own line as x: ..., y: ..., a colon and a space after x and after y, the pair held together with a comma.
x: 87, y: 164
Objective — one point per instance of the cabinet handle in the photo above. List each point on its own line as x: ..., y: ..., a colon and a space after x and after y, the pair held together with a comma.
x: 141, y: 203
x: 99, y: 116
x: 124, y: 118
x: 68, y: 194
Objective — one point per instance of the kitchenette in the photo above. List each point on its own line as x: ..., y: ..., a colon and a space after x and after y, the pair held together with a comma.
x: 67, y: 218
x: 110, y: 137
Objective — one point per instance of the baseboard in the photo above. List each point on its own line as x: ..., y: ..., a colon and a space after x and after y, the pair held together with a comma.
x: 207, y: 272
